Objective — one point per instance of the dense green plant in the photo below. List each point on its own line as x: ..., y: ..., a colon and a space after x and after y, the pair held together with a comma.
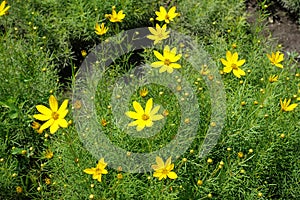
x: 257, y: 155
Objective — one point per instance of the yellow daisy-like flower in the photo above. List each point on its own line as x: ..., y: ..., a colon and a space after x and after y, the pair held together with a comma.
x: 273, y: 78
x: 163, y: 15
x: 53, y: 116
x: 163, y: 170
x: 233, y: 64
x: 100, y: 30
x: 167, y: 60
x: 143, y: 92
x: 144, y: 117
x: 276, y: 59
x: 98, y: 170
x: 83, y: 52
x: 285, y: 105
x: 158, y: 34
x: 48, y: 154
x: 114, y: 16
x: 3, y: 9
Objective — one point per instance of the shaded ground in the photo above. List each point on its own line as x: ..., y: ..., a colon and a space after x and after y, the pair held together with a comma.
x: 281, y: 24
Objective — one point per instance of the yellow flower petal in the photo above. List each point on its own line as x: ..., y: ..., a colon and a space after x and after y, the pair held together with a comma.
x: 175, y: 66
x: 133, y: 115
x: 137, y: 107
x: 53, y: 103
x: 154, y: 110
x: 54, y: 127
x: 236, y: 73
x: 44, y: 110
x: 158, y: 55
x: 149, y: 106
x: 42, y: 117
x: 157, y: 64
x: 227, y: 69
x: 157, y: 117
x: 291, y: 107
x: 47, y: 124
x: 62, y: 123
x: 172, y: 175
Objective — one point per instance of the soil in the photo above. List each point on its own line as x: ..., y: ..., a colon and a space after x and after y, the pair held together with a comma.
x: 281, y: 24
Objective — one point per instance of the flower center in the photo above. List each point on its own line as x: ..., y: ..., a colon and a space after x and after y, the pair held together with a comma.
x: 167, y: 62
x: 98, y: 171
x: 234, y: 66
x: 167, y: 17
x: 165, y: 171
x: 55, y: 115
x: 145, y: 117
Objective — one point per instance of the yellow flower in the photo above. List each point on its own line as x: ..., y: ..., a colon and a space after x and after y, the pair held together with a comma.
x: 276, y: 59
x: 285, y: 105
x: 3, y: 9
x: 273, y: 78
x: 167, y: 60
x: 144, y: 117
x: 119, y: 176
x: 48, y: 154
x: 143, y: 92
x: 163, y: 15
x: 159, y: 33
x: 35, y: 125
x: 53, y: 116
x: 114, y: 16
x: 163, y: 170
x: 83, y: 52
x: 232, y: 64
x: 47, y: 181
x: 19, y: 189
x: 100, y: 30
x: 98, y: 170
x: 103, y: 122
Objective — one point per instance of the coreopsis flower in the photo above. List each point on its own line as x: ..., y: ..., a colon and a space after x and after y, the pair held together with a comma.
x: 98, y: 170
x: 144, y: 118
x: 285, y: 105
x: 158, y: 34
x: 273, y: 78
x: 48, y: 154
x: 163, y: 170
x: 19, y: 189
x: 3, y: 9
x: 167, y: 60
x: 47, y: 181
x: 83, y: 52
x: 35, y: 125
x: 114, y: 16
x: 143, y: 92
x: 276, y: 59
x: 163, y: 15
x: 233, y: 64
x: 100, y: 30
x: 103, y: 122
x: 54, y: 117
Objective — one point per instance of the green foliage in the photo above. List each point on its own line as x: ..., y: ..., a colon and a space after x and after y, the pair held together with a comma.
x: 292, y: 5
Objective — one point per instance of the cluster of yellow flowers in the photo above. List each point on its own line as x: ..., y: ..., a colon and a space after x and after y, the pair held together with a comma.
x: 113, y: 17
x: 145, y: 117
x: 161, y: 33
x: 233, y: 64
x: 162, y: 169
